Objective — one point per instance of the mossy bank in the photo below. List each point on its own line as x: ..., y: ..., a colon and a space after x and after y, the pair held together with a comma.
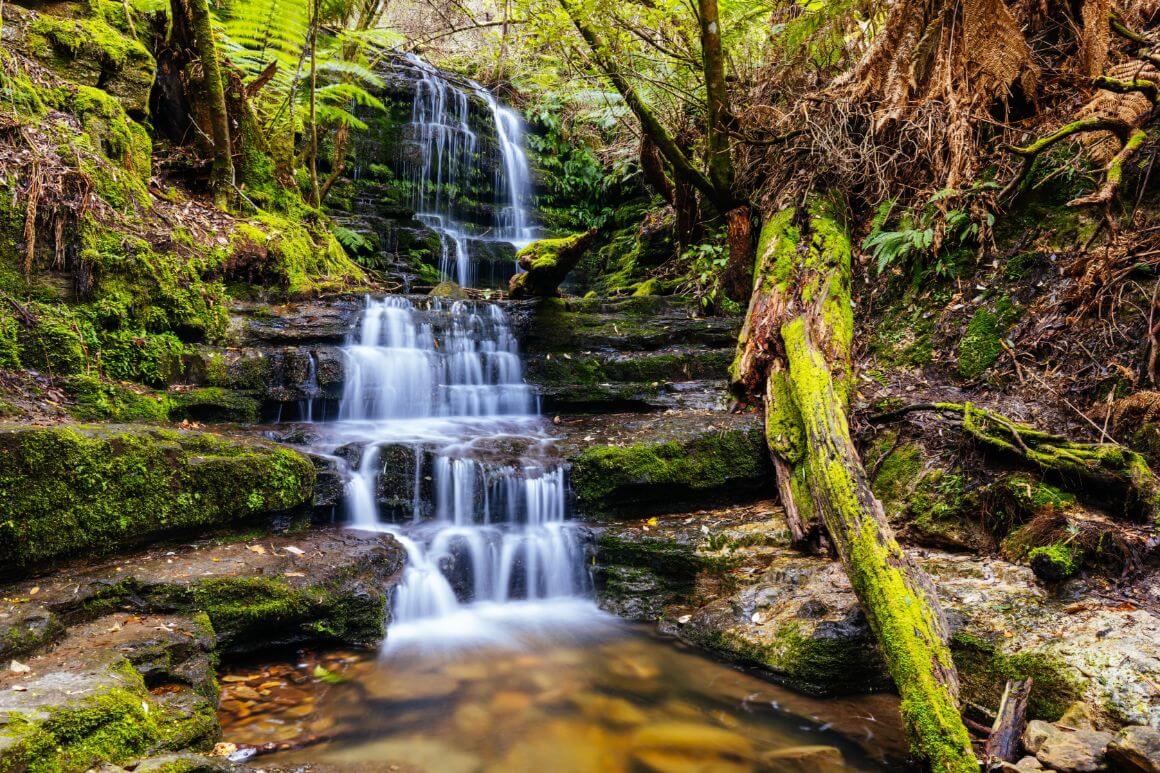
x: 84, y: 489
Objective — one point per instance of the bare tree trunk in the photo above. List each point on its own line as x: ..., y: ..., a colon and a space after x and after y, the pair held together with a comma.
x: 196, y: 20
x: 795, y: 348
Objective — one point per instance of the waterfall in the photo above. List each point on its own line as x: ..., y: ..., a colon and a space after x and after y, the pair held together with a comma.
x: 444, y: 162
x: 448, y: 431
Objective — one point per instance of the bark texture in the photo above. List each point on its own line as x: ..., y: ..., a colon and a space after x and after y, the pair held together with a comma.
x: 193, y: 18
x: 794, y: 351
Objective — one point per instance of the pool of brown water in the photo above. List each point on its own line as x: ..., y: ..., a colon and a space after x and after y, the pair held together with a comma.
x: 611, y: 697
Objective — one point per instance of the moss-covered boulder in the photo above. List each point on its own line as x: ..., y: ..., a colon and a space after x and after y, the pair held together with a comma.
x: 84, y: 708
x: 698, y: 458
x: 322, y: 586
x: 926, y: 502
x: 545, y: 264
x: 70, y: 490
x: 214, y: 404
x: 85, y: 51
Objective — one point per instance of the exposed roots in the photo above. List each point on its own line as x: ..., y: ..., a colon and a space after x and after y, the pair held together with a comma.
x: 1110, y: 467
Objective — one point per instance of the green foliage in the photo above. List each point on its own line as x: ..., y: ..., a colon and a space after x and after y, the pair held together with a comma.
x: 922, y: 234
x: 580, y: 192
x: 706, y: 265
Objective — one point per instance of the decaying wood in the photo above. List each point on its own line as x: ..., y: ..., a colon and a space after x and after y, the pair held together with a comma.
x: 1004, y: 742
x: 795, y: 354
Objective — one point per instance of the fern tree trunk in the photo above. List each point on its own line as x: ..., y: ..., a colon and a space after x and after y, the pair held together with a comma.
x: 191, y: 25
x: 795, y: 353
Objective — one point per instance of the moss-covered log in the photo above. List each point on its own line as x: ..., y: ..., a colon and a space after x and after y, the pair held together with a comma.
x: 546, y: 263
x: 794, y: 352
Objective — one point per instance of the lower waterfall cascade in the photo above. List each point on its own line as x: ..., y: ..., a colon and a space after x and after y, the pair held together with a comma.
x: 446, y: 451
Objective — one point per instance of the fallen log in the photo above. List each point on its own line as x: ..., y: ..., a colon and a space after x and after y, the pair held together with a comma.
x: 794, y: 354
x: 1105, y: 465
x: 1006, y: 734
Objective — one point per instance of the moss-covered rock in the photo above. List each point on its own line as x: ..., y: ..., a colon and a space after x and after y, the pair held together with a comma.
x: 69, y: 719
x: 323, y: 586
x: 1054, y: 563
x: 546, y: 263
x: 981, y: 343
x: 727, y: 463
x: 79, y: 489
x: 984, y: 668
x: 88, y: 52
x: 97, y: 400
x: 214, y: 404
x: 926, y: 503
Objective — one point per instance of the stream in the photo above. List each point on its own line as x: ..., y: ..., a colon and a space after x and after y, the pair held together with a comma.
x: 496, y: 655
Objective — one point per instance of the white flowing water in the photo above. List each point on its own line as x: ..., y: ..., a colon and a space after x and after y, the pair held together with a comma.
x: 450, y: 456
x: 447, y: 154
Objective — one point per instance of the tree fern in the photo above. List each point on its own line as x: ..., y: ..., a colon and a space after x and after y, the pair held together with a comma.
x: 258, y: 32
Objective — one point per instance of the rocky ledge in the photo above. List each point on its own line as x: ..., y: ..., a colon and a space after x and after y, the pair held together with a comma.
x: 71, y: 490
x: 728, y: 580
x: 116, y: 660
x: 628, y: 463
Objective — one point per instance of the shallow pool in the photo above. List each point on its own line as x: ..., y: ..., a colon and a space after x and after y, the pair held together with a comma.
x: 541, y: 694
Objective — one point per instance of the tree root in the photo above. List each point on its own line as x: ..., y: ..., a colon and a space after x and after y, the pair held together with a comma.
x: 1107, y: 465
x: 1123, y: 131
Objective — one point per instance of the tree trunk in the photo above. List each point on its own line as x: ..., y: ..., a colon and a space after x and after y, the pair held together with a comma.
x: 680, y: 163
x: 222, y: 172
x: 795, y: 351
x: 718, y: 157
x: 737, y: 279
x: 315, y: 194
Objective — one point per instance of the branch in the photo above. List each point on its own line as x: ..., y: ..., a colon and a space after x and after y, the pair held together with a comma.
x: 1115, y: 172
x: 1119, y: 127
x: 1145, y: 87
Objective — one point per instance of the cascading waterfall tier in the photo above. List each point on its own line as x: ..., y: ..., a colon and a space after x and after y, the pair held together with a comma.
x: 445, y: 450
x: 442, y: 168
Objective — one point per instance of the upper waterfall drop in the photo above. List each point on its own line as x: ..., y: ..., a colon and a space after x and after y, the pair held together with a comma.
x: 447, y: 156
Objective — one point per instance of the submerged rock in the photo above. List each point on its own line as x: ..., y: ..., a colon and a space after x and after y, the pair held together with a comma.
x: 81, y: 489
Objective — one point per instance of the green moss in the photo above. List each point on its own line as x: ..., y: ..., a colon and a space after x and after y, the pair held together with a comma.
x: 645, y: 367
x: 251, y: 613
x: 984, y: 670
x: 299, y: 259
x: 97, y: 400
x: 66, y: 490
x: 214, y: 404
x: 1056, y: 562
x: 981, y: 344
x: 111, y: 724
x: 709, y: 464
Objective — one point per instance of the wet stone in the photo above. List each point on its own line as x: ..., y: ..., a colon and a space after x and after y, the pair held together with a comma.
x: 802, y: 759
x: 1136, y: 750
x: 1067, y: 751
